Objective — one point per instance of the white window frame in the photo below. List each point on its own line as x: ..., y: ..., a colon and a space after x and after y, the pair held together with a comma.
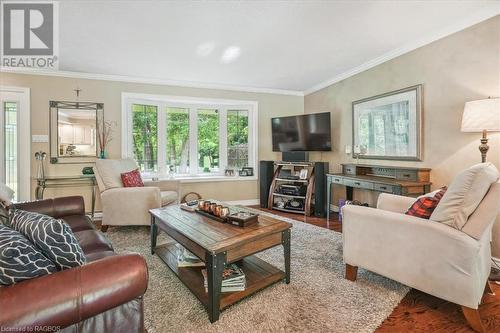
x: 162, y: 102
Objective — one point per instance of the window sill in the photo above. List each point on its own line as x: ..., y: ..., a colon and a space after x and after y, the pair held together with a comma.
x: 208, y: 179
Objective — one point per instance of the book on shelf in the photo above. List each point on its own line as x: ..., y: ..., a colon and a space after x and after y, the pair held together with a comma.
x: 233, y: 279
x: 186, y: 259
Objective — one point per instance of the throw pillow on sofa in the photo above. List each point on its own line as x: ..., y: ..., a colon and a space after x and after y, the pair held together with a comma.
x: 425, y: 204
x: 52, y: 237
x: 20, y: 259
x: 132, y: 179
x: 4, y: 215
x: 464, y: 194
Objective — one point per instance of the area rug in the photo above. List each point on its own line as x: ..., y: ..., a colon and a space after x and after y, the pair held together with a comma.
x: 318, y: 299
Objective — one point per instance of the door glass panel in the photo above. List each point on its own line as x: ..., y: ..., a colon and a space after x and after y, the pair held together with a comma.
x: 10, y: 146
x: 145, y: 137
x: 208, y: 140
x: 178, y: 140
x: 237, y: 138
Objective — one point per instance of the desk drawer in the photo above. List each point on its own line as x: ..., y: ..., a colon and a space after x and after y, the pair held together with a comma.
x: 337, y: 180
x: 406, y: 175
x: 358, y: 184
x: 383, y: 188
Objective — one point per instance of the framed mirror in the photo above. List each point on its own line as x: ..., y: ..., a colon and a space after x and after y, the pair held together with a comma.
x: 73, y: 131
x: 389, y: 126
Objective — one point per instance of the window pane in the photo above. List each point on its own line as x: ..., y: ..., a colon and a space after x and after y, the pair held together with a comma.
x: 237, y: 138
x: 145, y: 136
x: 177, y: 149
x: 10, y: 138
x: 208, y: 140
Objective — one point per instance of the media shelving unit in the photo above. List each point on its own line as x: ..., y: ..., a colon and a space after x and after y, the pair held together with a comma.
x: 309, y: 182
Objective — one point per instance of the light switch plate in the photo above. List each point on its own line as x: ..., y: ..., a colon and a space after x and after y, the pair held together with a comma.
x: 40, y: 138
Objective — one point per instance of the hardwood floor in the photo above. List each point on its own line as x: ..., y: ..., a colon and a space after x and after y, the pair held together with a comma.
x: 420, y: 312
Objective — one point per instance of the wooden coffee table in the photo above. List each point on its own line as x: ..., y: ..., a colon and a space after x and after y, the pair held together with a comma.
x: 218, y: 244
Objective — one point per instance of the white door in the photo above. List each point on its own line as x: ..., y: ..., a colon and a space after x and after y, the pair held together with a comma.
x: 15, y: 141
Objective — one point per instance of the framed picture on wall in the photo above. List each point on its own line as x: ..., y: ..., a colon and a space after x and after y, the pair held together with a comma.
x: 389, y: 126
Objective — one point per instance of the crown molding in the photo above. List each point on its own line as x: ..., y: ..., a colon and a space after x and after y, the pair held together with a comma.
x: 145, y: 80
x: 486, y: 13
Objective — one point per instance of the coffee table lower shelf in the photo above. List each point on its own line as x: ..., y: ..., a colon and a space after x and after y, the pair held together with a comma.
x: 258, y: 273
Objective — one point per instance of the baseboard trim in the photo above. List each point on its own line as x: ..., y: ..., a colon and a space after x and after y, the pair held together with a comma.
x: 250, y: 202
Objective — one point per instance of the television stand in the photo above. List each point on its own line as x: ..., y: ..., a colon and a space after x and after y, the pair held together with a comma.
x: 293, y: 188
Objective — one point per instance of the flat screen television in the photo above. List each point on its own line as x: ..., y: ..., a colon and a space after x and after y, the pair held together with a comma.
x: 310, y: 132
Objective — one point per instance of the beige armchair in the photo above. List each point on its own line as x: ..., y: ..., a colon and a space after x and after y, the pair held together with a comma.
x: 130, y: 205
x: 426, y: 255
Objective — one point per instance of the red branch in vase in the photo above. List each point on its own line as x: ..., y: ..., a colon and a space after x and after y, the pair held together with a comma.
x: 104, y: 134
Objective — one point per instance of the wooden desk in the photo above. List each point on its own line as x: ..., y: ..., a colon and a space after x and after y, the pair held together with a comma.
x: 67, y: 181
x: 405, y: 181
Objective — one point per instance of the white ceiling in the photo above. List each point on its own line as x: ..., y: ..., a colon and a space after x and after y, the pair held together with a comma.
x: 290, y: 45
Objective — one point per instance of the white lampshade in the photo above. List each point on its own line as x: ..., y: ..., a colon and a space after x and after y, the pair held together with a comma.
x: 481, y: 115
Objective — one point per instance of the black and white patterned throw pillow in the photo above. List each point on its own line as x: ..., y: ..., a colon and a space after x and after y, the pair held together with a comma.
x: 52, y: 237
x: 20, y: 259
x: 4, y: 215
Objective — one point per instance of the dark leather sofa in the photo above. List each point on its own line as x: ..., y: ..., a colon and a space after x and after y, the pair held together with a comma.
x: 104, y: 295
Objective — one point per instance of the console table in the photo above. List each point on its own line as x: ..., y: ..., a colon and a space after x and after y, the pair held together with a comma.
x: 396, y: 180
x: 66, y: 181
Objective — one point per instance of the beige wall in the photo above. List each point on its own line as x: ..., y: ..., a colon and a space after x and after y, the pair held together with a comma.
x: 462, y: 67
x: 46, y: 88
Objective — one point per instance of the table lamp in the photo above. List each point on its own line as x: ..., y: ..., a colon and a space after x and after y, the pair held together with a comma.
x: 482, y: 116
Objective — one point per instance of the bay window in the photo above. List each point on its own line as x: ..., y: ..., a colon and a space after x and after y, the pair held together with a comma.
x: 237, y: 138
x: 188, y: 137
x: 208, y: 140
x: 145, y: 134
x: 177, y: 139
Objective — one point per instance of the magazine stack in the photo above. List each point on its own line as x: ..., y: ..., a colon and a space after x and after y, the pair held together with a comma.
x: 233, y: 279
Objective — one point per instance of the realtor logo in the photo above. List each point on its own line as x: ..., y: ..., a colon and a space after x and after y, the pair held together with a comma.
x: 30, y: 31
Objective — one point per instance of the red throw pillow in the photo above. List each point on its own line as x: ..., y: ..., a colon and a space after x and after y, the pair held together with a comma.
x: 424, y: 206
x: 441, y: 192
x: 132, y: 179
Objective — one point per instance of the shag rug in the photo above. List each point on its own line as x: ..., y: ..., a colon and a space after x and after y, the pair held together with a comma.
x: 318, y: 298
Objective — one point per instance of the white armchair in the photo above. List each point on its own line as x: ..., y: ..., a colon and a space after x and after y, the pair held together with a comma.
x: 426, y: 255
x: 130, y: 205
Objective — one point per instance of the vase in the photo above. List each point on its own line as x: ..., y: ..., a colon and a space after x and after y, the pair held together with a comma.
x: 102, y: 154
x: 40, y: 157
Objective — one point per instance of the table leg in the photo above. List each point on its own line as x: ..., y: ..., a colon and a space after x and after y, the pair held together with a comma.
x: 349, y: 192
x: 154, y: 234
x: 215, y: 267
x: 38, y: 193
x: 328, y: 199
x: 93, y: 203
x: 286, y: 235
